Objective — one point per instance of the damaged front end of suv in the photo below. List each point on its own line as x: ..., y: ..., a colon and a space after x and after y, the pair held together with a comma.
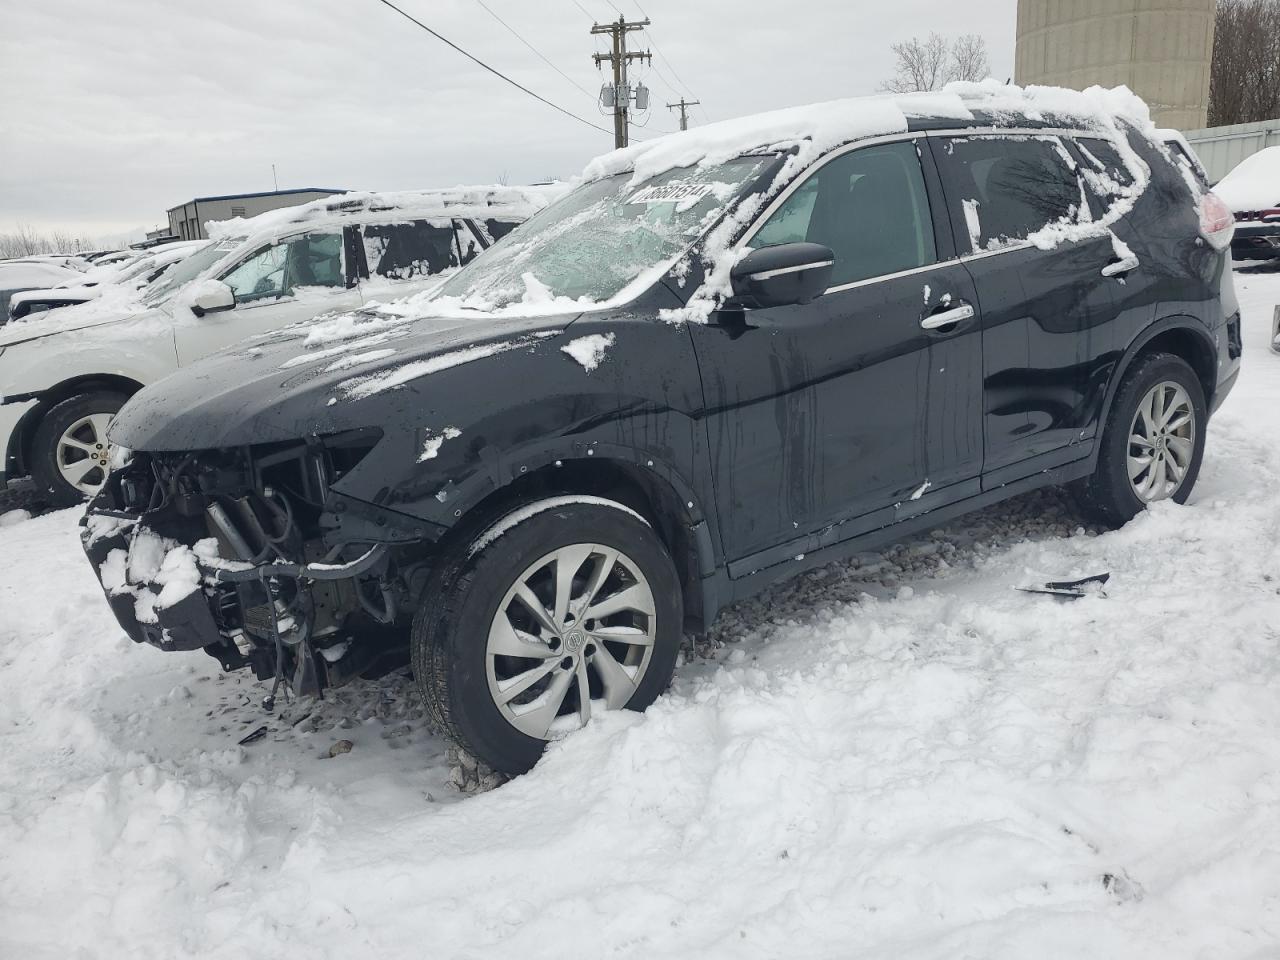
x: 250, y: 555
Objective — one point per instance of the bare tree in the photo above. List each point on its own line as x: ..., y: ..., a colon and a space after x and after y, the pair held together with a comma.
x: 931, y: 64
x: 26, y: 241
x: 969, y: 58
x: 1244, y: 79
x: 921, y: 65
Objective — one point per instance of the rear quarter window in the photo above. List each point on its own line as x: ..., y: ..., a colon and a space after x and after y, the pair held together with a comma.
x: 500, y: 228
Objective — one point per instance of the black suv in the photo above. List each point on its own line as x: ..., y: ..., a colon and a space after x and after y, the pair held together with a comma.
x: 681, y: 383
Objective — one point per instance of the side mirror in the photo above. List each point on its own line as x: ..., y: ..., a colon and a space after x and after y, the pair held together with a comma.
x: 212, y: 297
x: 780, y: 276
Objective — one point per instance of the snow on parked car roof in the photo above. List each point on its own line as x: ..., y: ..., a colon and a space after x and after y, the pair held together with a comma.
x: 815, y: 128
x: 479, y: 202
x: 29, y: 273
x: 1254, y: 183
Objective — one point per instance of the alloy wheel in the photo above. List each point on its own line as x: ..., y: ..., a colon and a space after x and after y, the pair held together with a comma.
x: 573, y: 634
x: 1162, y: 441
x: 83, y: 451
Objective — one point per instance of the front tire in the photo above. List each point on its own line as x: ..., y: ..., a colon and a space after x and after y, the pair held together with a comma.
x: 1152, y: 444
x: 69, y: 453
x: 565, y: 607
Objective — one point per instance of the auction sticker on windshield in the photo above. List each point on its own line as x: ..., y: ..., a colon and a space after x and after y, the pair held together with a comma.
x: 671, y: 193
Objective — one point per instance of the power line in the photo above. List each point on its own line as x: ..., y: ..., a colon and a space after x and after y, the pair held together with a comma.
x: 496, y: 73
x: 663, y: 58
x: 536, y: 51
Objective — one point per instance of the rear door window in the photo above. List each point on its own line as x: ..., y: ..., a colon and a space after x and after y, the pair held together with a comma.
x: 272, y: 272
x: 1003, y: 189
x: 869, y: 206
x: 418, y: 248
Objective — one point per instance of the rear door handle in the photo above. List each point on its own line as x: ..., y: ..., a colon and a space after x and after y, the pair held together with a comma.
x: 946, y: 318
x: 1118, y: 268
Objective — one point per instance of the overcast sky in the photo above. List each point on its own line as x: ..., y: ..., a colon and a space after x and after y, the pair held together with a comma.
x: 112, y: 112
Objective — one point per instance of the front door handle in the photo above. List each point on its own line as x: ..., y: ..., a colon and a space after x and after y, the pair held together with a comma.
x: 1118, y: 268
x: 945, y: 318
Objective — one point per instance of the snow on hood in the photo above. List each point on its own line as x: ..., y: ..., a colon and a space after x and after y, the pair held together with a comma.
x: 262, y: 392
x: 26, y: 274
x: 113, y: 305
x: 1254, y: 184
x: 519, y: 203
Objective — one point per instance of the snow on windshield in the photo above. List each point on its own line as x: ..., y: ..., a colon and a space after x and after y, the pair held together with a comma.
x: 587, y: 249
x: 188, y: 270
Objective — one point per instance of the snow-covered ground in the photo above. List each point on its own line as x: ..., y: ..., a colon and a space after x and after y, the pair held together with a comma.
x: 896, y: 758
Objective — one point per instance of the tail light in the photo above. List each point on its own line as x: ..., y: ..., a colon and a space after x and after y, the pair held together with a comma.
x: 1217, y: 222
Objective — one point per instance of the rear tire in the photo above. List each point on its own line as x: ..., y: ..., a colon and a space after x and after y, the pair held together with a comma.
x: 69, y: 451
x: 614, y: 632
x: 1152, y: 444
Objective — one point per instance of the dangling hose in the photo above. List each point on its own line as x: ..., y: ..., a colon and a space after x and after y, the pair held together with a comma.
x: 269, y: 702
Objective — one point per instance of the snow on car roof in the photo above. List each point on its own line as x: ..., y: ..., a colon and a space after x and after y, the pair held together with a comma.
x: 817, y: 127
x: 28, y: 273
x: 1254, y: 184
x: 475, y: 201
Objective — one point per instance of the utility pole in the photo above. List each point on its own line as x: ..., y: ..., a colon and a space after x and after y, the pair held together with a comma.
x: 684, y: 106
x: 619, y: 58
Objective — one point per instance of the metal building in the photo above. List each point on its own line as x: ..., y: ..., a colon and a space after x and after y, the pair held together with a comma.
x: 1221, y: 148
x: 187, y: 220
x: 1160, y: 49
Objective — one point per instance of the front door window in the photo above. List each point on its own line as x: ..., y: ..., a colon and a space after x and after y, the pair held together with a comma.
x: 868, y: 206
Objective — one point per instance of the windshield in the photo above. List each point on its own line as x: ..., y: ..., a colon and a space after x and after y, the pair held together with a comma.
x: 601, y: 237
x: 188, y: 270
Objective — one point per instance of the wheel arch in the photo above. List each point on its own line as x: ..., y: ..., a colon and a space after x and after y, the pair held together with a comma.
x: 18, y: 456
x: 1182, y: 336
x: 651, y: 489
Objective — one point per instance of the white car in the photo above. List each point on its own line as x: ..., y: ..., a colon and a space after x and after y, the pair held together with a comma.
x: 98, y: 280
x: 30, y: 274
x: 64, y: 373
x: 1252, y: 192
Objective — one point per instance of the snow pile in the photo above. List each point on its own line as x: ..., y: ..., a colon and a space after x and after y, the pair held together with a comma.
x: 153, y: 560
x: 899, y: 756
x: 1254, y: 184
x: 589, y: 351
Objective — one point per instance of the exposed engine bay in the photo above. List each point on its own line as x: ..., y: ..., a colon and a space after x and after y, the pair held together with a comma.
x: 243, y: 552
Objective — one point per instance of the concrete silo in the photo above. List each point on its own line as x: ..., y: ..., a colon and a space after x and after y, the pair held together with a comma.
x: 1160, y: 49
